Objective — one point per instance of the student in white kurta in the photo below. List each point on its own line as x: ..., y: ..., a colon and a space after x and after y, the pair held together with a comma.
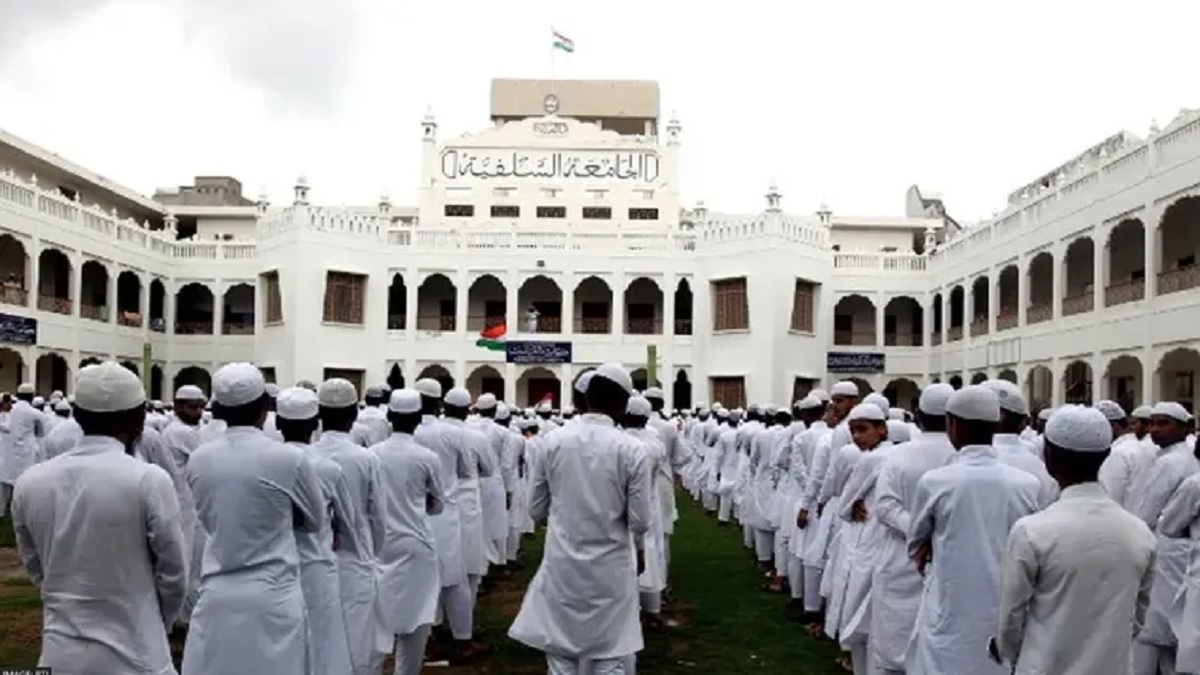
x: 728, y: 463
x: 479, y: 463
x: 796, y: 461
x: 1010, y: 449
x: 20, y: 447
x: 518, y: 511
x: 960, y: 523
x: 372, y: 425
x: 495, y: 490
x: 676, y: 459
x: 593, y: 482
x: 1127, y: 460
x: 896, y: 586
x: 1181, y: 519
x: 181, y: 436
x: 652, y: 580
x: 99, y: 535
x: 1076, y: 577
x: 296, y: 418
x: 270, y: 429
x: 409, y: 585
x: 1155, y: 646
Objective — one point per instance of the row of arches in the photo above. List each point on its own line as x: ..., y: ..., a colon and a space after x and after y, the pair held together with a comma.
x: 590, y: 311
x: 124, y: 301
x: 52, y: 372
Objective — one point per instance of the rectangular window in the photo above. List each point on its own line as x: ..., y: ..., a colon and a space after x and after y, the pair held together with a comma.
x: 459, y: 210
x: 505, y: 211
x: 804, y: 306
x: 643, y: 214
x: 731, y: 309
x: 597, y: 213
x: 355, y: 377
x: 551, y: 212
x: 730, y: 392
x: 272, y: 297
x: 268, y: 374
x: 345, y: 295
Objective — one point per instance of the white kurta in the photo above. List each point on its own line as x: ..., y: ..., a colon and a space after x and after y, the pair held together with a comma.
x: 1074, y: 583
x: 179, y: 440
x: 729, y: 461
x: 409, y: 583
x: 20, y: 447
x: 493, y: 493
x: 664, y: 483
x: 1180, y: 519
x: 470, y: 502
x: 250, y: 493
x: 99, y: 535
x: 452, y: 467
x: 654, y: 578
x: 1013, y: 451
x: 1126, y: 461
x: 965, y: 509
x: 593, y: 482
x: 61, y: 439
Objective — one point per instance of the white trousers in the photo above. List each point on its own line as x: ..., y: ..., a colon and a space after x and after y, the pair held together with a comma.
x: 458, y: 604
x: 502, y: 548
x: 795, y: 575
x: 724, y: 508
x: 764, y: 545
x: 812, y: 588
x: 410, y: 651
x: 667, y: 554
x: 1152, y: 659
x: 782, y: 555
x: 860, y: 658
x: 748, y: 537
x: 514, y: 545
x: 561, y: 665
x: 651, y: 602
x: 710, y: 500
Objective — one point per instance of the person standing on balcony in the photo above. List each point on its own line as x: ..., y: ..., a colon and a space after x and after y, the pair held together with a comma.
x: 531, y: 319
x: 20, y: 447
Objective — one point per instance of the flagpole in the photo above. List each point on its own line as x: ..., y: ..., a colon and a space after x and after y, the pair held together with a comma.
x: 553, y: 79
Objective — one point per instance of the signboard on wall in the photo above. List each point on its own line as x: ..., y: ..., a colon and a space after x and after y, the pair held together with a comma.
x: 18, y: 330
x: 854, y: 362
x: 640, y: 166
x: 537, y: 352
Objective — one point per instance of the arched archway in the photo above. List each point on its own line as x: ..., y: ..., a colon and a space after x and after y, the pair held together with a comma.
x: 1039, y: 387
x: 1008, y: 296
x: 12, y: 369
x: 643, y: 307
x: 1077, y: 383
x: 979, y: 378
x: 194, y: 310
x: 1178, y: 371
x: 93, y: 289
x: 156, y: 383
x: 903, y: 322
x: 88, y: 361
x: 537, y: 384
x: 542, y: 294
x: 14, y: 270
x: 437, y: 304
x: 681, y: 398
x: 485, y: 380
x: 438, y: 372
x: 854, y: 321
x: 194, y: 375
x: 129, y: 299
x: 238, y: 310
x: 53, y: 373
x: 1123, y: 381
x: 1008, y: 375
x: 1125, y: 255
x: 958, y: 312
x: 54, y: 281
x: 902, y: 393
x: 1041, y: 289
x: 683, y: 308
x: 1178, y: 241
x: 937, y: 306
x: 158, y: 306
x: 397, y: 303
x: 487, y: 304
x: 131, y: 367
x: 1079, y: 264
x: 395, y: 378
x: 980, y: 302
x: 593, y: 306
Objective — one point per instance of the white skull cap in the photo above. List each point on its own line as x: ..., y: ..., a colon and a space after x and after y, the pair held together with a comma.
x: 810, y: 402
x: 866, y: 411
x: 405, y: 401
x: 1010, y: 396
x: 895, y: 414
x: 976, y: 403
x: 108, y: 387
x: 654, y: 392
x: 337, y: 393
x: 458, y: 397
x: 56, y: 394
x: 820, y: 394
x: 62, y: 405
x: 770, y: 408
x: 502, y: 411
x: 297, y: 403
x: 880, y: 401
x: 427, y: 386
x: 1141, y: 412
x: 38, y: 400
x: 722, y: 413
x: 1171, y: 409
x: 272, y: 389
x: 485, y: 402
x: 581, y: 383
x: 189, y: 392
x: 844, y: 388
x: 933, y: 400
x: 374, y: 391
x: 1111, y: 410
x: 638, y: 406
x: 898, y: 431
x: 25, y: 388
x: 1078, y: 428
x: 753, y: 407
x: 237, y: 384
x: 616, y: 373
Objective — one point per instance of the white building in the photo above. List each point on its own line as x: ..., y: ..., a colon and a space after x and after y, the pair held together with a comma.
x: 1085, y: 286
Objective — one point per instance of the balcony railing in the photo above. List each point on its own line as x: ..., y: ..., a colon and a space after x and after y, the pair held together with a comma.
x: 593, y: 326
x: 643, y: 327
x: 396, y: 321
x: 437, y: 323
x: 1007, y: 319
x: 1079, y: 303
x: 1119, y: 294
x: 852, y: 338
x: 902, y: 339
x: 1181, y: 279
x: 545, y: 324
x: 53, y: 303
x: 201, y: 327
x: 979, y: 326
x: 237, y: 328
x: 935, y: 338
x: 683, y: 326
x: 93, y: 312
x: 158, y: 324
x: 1039, y: 313
x: 954, y: 334
x: 14, y: 295
x: 129, y: 319
x: 478, y: 322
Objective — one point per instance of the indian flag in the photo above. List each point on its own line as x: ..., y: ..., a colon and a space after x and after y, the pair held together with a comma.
x: 492, y: 338
x: 563, y: 42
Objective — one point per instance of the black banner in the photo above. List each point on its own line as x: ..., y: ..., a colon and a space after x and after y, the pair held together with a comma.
x: 18, y: 330
x: 854, y: 362
x: 537, y: 352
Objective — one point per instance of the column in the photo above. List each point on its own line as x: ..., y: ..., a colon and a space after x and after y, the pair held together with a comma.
x: 968, y: 307
x: 218, y: 294
x: 110, y: 293
x: 1022, y: 289
x: 76, y: 284
x: 1099, y: 267
x: 1149, y: 375
x: 1150, y: 230
x: 880, y: 303
x: 33, y: 276
x: 946, y: 315
x: 169, y: 302
x: 993, y: 297
x: 1099, y: 378
x: 510, y: 383
x: 668, y: 318
x: 1056, y: 383
x: 618, y: 305
x: 566, y: 383
x: 512, y: 317
x: 462, y: 290
x: 410, y: 301
x: 1059, y: 269
x: 568, y: 304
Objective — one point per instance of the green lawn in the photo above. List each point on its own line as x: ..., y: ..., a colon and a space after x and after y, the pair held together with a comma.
x: 727, y: 624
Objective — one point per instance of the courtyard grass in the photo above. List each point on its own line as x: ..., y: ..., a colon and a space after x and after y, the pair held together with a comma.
x: 726, y: 623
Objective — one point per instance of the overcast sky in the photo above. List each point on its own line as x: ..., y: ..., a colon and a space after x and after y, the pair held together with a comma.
x: 851, y: 101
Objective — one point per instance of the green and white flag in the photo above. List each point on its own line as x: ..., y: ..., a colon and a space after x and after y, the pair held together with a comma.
x: 563, y: 42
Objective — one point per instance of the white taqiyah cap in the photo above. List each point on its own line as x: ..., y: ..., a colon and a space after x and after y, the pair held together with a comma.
x: 899, y: 431
x: 879, y: 401
x: 543, y: 407
x: 38, y: 400
x: 581, y: 382
x: 272, y: 389
x: 895, y: 413
x: 654, y: 392
x: 297, y: 403
x: 1171, y: 409
x: 502, y: 412
x: 821, y: 394
x: 307, y: 384
x: 1141, y: 412
x: 933, y: 400
x: 25, y: 388
x: 458, y: 397
x: 189, y: 392
x: 702, y: 404
x: 722, y: 413
x: 1078, y: 428
x: 810, y: 402
x: 753, y: 407
x: 615, y: 373
x: 866, y: 411
x: 108, y: 387
x: 337, y: 393
x: 62, y: 405
x: 55, y: 395
x: 1111, y: 410
x: 374, y: 391
x: 844, y: 388
x: 427, y: 386
x: 638, y: 406
x: 568, y: 410
x: 975, y: 402
x: 157, y: 405
x: 770, y: 408
x: 485, y: 402
x: 1009, y: 395
x: 238, y: 384
x: 405, y: 401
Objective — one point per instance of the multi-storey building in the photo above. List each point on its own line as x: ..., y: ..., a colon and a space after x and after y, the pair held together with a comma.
x: 567, y: 208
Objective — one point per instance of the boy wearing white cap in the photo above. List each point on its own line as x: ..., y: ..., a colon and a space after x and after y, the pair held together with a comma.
x: 653, y: 580
x: 1010, y: 449
x: 1127, y: 461
x: 100, y: 536
x: 251, y: 492
x: 1076, y: 576
x: 180, y: 437
x: 19, y: 448
x: 495, y: 490
x: 961, y: 518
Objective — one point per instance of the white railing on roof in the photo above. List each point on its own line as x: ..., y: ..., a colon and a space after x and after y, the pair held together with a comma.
x: 879, y: 262
x: 582, y: 242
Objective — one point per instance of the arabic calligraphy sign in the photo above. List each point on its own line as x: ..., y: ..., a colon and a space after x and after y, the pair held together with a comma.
x: 537, y: 352
x: 854, y: 362
x: 18, y: 330
x: 638, y: 166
